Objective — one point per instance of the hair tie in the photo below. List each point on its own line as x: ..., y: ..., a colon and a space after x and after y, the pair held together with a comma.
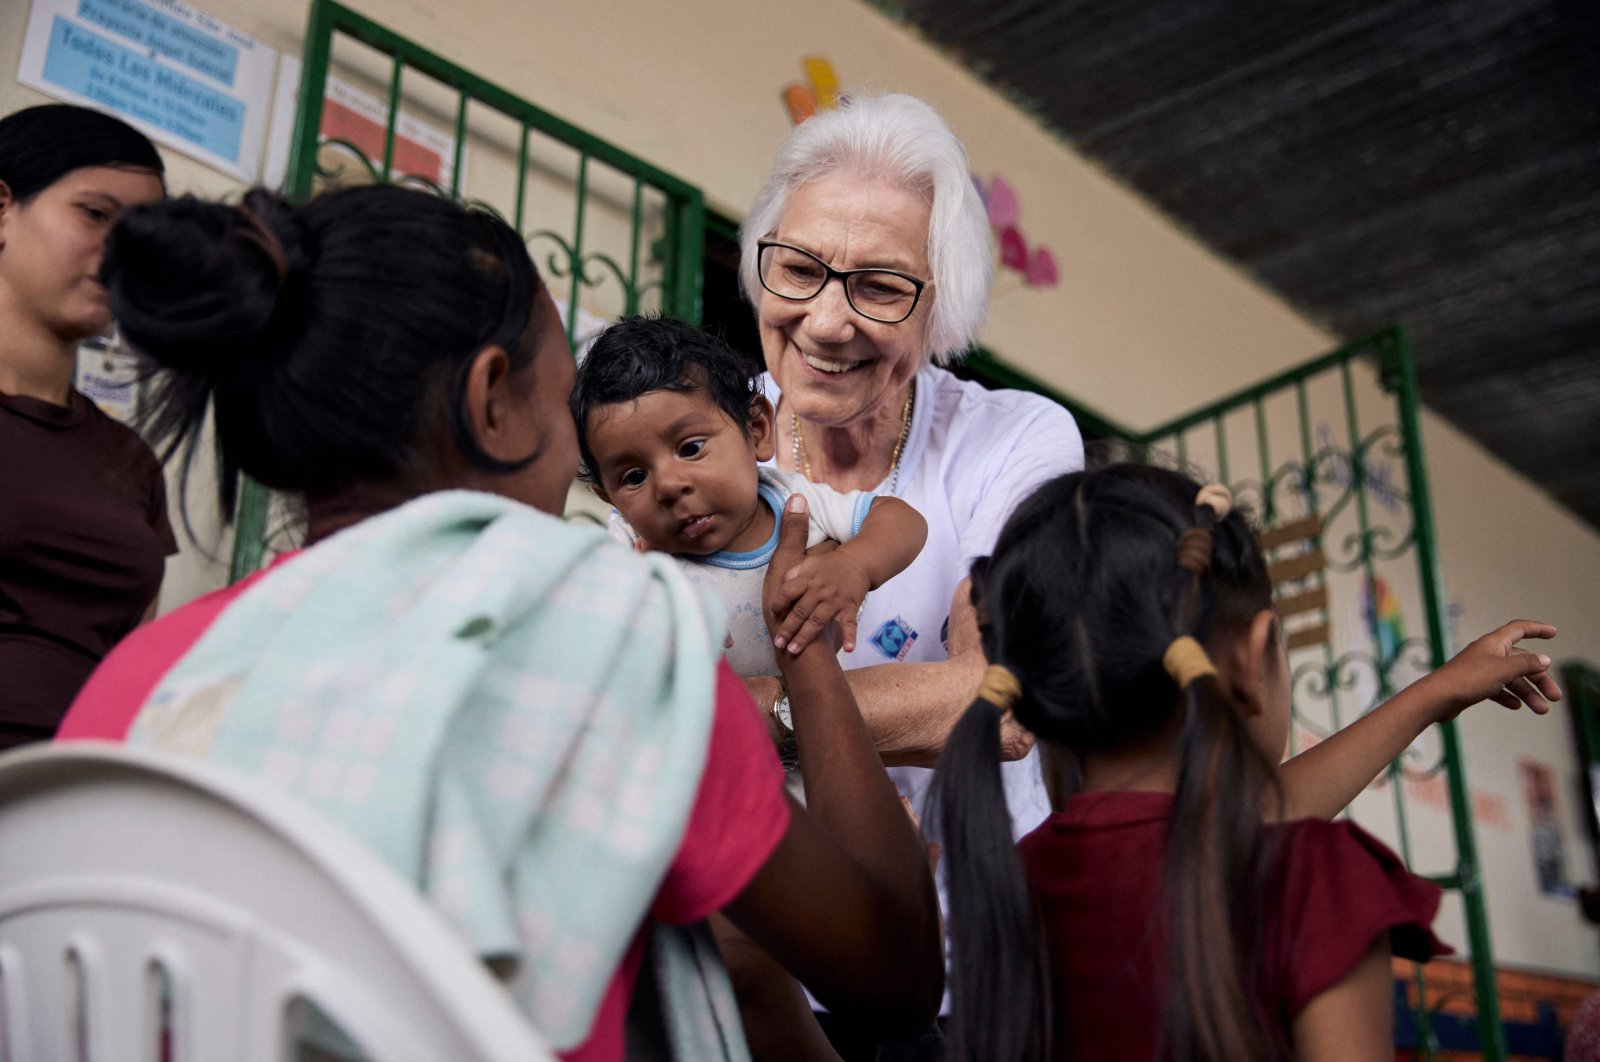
x: 1186, y: 660
x: 1194, y: 550
x: 1000, y: 687
x: 257, y: 232
x: 1217, y: 498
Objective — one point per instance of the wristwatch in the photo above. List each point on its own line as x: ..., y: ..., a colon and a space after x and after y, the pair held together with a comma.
x: 788, y: 749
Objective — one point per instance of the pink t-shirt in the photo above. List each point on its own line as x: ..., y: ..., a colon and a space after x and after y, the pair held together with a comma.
x: 739, y: 815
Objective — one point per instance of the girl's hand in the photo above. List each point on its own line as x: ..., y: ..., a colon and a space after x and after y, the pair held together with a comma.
x: 1493, y: 668
x: 815, y: 593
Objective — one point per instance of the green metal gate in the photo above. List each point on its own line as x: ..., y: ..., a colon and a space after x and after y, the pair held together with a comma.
x: 633, y: 237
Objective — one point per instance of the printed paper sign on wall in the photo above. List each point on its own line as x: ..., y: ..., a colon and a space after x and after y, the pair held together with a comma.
x: 187, y: 80
x: 111, y: 378
x: 1544, y: 821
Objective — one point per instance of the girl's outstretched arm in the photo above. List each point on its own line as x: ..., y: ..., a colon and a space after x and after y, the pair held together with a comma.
x: 1321, y: 781
x: 845, y: 902
x: 1353, y: 1021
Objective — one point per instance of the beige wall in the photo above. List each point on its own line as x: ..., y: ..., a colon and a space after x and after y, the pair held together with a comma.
x: 1509, y: 552
x: 1144, y: 325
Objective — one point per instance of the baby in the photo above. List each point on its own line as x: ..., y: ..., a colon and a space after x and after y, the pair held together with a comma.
x: 673, y: 429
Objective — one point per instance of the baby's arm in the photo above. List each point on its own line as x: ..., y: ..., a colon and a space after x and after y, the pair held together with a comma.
x: 831, y: 586
x: 1321, y: 781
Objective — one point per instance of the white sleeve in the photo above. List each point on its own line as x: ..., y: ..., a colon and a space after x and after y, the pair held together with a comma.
x: 621, y: 531
x: 836, y: 514
x: 1043, y: 444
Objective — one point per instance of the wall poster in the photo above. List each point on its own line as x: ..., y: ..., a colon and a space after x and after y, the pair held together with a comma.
x: 1544, y: 823
x: 187, y: 80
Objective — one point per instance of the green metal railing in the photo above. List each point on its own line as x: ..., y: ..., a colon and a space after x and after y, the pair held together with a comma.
x: 675, y: 254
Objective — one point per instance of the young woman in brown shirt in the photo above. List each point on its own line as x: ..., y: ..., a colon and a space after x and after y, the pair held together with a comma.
x: 83, y: 520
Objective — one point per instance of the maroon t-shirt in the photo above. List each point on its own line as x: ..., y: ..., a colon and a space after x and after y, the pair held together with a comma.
x: 1096, y: 872
x: 83, y: 537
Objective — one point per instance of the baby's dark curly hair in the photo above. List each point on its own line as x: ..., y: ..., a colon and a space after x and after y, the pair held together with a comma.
x: 638, y: 355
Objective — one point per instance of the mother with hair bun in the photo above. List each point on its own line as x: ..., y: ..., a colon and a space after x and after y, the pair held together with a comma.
x: 867, y: 256
x: 526, y: 720
x: 83, y: 506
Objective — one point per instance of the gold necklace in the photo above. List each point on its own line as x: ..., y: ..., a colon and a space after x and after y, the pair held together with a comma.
x: 803, y: 464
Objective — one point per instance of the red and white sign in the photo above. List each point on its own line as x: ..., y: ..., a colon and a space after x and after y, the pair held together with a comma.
x: 360, y: 118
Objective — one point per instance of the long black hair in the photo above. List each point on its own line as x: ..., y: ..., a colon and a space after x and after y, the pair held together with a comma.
x: 1081, y: 598
x: 40, y: 145
x: 327, y: 336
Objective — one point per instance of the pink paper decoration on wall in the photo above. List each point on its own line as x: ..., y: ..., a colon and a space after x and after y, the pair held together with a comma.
x: 1041, y: 270
x: 1038, y: 266
x: 1013, y: 251
x: 1002, y: 203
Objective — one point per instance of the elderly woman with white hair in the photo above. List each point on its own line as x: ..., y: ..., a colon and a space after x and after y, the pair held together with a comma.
x: 878, y: 196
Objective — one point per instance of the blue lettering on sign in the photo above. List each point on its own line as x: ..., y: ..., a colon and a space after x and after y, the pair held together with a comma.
x: 164, y: 35
x: 894, y: 638
x: 84, y: 62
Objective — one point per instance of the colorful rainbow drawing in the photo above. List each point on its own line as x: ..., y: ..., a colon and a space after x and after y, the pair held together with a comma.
x: 1383, y: 617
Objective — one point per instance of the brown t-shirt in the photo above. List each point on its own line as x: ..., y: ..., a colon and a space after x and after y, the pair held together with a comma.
x: 83, y: 534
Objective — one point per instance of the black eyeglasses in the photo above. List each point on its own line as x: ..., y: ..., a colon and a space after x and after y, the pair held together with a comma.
x: 882, y: 295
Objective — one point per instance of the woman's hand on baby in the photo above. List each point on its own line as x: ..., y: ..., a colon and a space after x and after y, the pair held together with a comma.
x: 1493, y: 668
x: 820, y: 590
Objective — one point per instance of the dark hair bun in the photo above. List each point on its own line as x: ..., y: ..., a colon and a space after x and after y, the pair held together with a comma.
x: 205, y: 288
x: 328, y: 339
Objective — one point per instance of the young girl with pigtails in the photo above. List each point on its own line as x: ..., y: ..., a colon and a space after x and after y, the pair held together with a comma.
x: 1168, y: 909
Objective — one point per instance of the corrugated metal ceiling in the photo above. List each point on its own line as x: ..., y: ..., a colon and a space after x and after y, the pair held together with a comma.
x: 1435, y: 165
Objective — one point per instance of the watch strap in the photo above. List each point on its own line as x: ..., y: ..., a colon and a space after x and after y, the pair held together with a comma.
x: 788, y: 748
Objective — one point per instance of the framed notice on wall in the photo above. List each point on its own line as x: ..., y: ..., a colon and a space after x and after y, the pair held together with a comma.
x: 186, y: 79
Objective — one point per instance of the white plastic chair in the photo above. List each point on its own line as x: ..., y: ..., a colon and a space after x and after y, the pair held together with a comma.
x: 156, y: 909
